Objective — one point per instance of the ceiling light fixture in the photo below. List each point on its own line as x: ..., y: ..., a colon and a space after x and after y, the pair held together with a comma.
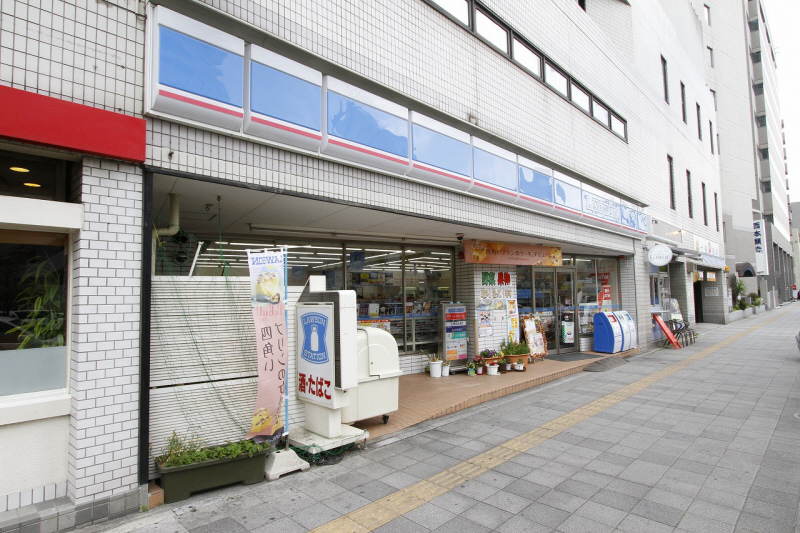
x: 35, y: 185
x: 19, y: 169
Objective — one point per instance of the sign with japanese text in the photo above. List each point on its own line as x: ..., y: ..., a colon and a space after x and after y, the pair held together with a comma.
x: 513, y: 321
x: 268, y: 287
x: 454, y: 321
x: 498, y: 253
x: 315, y: 353
x: 759, y: 242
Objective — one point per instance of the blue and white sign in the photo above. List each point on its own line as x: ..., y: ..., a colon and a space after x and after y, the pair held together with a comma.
x: 315, y: 350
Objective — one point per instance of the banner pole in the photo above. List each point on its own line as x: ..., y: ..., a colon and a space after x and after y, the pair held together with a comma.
x: 286, y: 321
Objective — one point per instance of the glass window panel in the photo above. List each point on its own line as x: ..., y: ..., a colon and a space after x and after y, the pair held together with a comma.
x: 555, y: 79
x: 436, y: 149
x: 199, y: 68
x: 535, y: 184
x: 33, y: 306
x: 457, y: 8
x: 527, y: 58
x: 568, y: 195
x: 580, y: 97
x: 588, y: 287
x: 491, y: 31
x: 428, y: 282
x: 283, y: 96
x: 608, y: 285
x: 367, y: 125
x: 600, y: 112
x: 618, y: 126
x: 29, y: 176
x: 376, y: 274
x: 524, y: 290
x: 494, y: 169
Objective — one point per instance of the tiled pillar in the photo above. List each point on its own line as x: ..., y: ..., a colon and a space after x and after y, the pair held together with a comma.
x: 104, y: 366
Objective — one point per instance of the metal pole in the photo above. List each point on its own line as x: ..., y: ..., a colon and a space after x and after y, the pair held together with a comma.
x: 286, y: 321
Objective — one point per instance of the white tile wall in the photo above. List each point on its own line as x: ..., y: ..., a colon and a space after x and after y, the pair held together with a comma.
x: 104, y: 375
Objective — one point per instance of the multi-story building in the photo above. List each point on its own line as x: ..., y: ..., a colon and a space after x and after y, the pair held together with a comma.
x: 741, y: 73
x: 506, y: 155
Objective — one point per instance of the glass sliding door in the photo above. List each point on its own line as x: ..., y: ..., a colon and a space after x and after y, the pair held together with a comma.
x: 565, y: 294
x: 544, y: 305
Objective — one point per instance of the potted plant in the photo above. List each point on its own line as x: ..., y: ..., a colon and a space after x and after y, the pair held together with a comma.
x: 511, y: 348
x: 506, y: 363
x: 479, y: 364
x: 445, y: 368
x: 491, y: 369
x: 490, y: 356
x: 519, y: 365
x: 186, y: 466
x: 435, y: 364
x: 471, y: 368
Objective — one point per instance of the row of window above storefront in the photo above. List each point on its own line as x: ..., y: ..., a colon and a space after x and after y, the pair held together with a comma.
x: 242, y: 88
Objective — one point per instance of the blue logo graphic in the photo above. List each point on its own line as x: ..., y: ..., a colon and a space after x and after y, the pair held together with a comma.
x: 315, y: 327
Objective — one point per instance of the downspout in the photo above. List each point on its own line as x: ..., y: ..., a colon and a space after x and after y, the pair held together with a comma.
x: 174, y: 217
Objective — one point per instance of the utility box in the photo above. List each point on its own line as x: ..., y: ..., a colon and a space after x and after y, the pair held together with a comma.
x: 378, y: 370
x: 628, y: 327
x: 607, y: 333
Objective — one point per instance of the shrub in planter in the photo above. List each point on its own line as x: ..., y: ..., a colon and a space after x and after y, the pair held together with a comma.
x: 186, y: 467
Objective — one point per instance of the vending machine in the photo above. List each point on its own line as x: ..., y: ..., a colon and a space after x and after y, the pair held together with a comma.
x: 607, y: 333
x: 628, y: 326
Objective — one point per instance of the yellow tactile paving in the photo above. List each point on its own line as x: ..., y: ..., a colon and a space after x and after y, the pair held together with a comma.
x: 385, y: 510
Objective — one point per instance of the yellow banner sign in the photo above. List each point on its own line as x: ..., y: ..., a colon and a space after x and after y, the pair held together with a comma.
x: 499, y: 253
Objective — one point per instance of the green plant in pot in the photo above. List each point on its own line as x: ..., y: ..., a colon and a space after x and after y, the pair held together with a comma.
x: 445, y: 368
x: 186, y: 466
x: 520, y: 364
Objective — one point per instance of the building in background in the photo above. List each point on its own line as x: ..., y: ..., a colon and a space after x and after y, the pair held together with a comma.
x: 366, y: 138
x: 741, y: 72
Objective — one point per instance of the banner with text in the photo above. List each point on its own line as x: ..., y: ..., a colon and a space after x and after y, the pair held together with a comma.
x: 499, y: 253
x: 267, y: 284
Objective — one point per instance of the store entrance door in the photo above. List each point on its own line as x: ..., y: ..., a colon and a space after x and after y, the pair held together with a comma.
x: 554, y: 302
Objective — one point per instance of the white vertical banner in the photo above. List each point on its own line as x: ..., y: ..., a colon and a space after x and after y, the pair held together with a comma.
x: 316, y: 371
x: 267, y: 293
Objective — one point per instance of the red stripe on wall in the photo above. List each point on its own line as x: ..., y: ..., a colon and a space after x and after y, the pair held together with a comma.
x: 39, y: 119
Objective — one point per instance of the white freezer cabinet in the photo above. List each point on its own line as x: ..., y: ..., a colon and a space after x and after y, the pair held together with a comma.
x: 378, y: 370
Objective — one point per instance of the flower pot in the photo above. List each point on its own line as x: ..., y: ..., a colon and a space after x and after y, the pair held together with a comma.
x: 508, y: 367
x: 436, y: 369
x: 179, y: 482
x: 479, y: 370
x: 445, y: 370
x: 470, y: 371
x: 492, y: 369
x: 519, y: 366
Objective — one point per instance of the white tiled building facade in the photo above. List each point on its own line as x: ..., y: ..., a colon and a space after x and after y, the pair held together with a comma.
x: 632, y: 59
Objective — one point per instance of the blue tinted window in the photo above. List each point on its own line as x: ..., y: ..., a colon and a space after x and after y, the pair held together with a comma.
x: 366, y: 125
x: 283, y: 96
x: 493, y: 169
x: 629, y: 216
x: 535, y: 184
x: 199, y: 68
x: 439, y: 150
x: 568, y: 195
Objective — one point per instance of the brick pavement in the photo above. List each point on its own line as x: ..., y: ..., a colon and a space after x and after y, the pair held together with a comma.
x: 701, y: 439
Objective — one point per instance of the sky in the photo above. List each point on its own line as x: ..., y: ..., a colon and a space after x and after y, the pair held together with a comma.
x: 783, y: 17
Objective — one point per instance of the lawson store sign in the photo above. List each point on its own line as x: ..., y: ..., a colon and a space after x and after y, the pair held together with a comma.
x: 201, y: 74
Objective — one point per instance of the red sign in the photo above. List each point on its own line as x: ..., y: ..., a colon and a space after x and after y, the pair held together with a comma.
x: 663, y: 325
x: 456, y: 316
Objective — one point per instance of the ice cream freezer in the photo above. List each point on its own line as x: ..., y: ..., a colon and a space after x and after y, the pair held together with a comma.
x: 378, y: 369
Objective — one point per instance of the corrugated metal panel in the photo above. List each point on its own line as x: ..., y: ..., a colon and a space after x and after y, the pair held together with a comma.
x: 203, y: 360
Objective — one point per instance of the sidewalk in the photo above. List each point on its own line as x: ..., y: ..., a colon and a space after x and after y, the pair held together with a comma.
x: 424, y: 398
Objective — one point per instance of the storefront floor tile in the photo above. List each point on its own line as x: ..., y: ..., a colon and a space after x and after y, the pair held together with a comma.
x: 424, y: 398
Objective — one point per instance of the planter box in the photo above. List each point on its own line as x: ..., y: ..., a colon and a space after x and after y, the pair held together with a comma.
x: 179, y: 482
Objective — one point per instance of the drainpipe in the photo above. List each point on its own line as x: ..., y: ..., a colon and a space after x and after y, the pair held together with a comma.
x: 174, y: 217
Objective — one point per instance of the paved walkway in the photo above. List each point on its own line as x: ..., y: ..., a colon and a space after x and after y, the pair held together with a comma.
x: 701, y: 440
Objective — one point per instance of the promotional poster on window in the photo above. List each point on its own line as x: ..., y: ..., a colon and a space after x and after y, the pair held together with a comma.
x: 267, y: 293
